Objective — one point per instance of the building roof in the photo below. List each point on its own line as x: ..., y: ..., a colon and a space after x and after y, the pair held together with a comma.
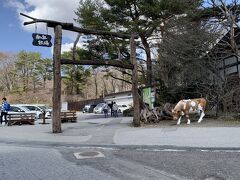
x: 222, y: 48
x: 118, y: 93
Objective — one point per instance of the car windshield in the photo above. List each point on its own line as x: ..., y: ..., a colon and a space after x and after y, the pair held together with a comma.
x: 100, y: 105
x: 24, y: 108
x: 32, y: 108
x: 16, y: 109
x: 43, y: 107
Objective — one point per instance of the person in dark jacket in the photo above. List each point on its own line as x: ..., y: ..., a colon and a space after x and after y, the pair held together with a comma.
x: 111, y: 107
x: 4, y: 110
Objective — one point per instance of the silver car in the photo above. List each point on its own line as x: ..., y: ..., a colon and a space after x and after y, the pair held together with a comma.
x: 99, y: 108
x: 31, y: 109
x: 15, y: 109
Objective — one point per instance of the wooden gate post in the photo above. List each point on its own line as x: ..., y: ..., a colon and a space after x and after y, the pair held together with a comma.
x: 136, y: 105
x: 56, y: 101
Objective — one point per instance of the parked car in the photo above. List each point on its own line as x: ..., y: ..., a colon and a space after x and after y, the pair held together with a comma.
x: 122, y: 107
x: 99, y: 108
x: 92, y: 107
x: 86, y: 108
x: 40, y: 107
x: 15, y: 109
x: 31, y: 109
x: 89, y: 108
x: 45, y: 108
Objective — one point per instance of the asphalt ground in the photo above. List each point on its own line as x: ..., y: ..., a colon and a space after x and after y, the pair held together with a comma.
x: 152, y: 151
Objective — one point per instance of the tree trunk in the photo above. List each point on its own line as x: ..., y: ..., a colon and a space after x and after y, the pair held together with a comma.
x: 72, y: 81
x: 75, y: 47
x: 104, y: 86
x: 113, y: 83
x: 96, y: 85
x: 149, y: 61
x: 56, y: 120
x: 122, y: 84
x: 34, y: 85
x: 44, y: 82
x: 136, y: 115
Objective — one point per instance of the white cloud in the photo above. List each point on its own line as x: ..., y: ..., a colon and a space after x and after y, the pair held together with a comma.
x: 67, y: 47
x: 58, y: 10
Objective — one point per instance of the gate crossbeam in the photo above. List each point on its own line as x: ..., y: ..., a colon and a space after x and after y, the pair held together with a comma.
x: 71, y: 27
x: 114, y: 63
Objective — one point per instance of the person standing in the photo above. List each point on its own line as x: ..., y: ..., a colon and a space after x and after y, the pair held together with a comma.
x: 111, y: 107
x: 5, y: 109
x: 105, y: 110
x: 115, y: 109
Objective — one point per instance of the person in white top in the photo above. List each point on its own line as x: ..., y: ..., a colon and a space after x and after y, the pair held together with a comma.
x: 115, y: 109
x: 105, y: 110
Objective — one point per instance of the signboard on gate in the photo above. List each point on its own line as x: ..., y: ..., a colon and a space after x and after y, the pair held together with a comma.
x: 41, y: 40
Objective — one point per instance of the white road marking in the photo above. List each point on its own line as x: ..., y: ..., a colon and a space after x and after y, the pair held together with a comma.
x: 163, y: 150
x: 182, y: 150
x: 160, y: 150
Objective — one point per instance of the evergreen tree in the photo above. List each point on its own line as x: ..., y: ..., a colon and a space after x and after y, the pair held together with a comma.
x: 26, y: 69
x: 141, y: 17
x: 75, y: 76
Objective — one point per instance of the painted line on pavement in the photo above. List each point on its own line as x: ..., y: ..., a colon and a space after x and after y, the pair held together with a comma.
x: 160, y: 150
x: 182, y: 150
x: 226, y: 151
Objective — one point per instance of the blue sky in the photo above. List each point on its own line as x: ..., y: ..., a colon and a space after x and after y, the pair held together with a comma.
x: 14, y: 37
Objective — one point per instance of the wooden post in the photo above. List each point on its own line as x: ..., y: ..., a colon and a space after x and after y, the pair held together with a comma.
x: 56, y: 101
x: 44, y: 120
x: 136, y: 105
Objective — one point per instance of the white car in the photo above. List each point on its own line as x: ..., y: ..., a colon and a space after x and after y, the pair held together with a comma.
x: 31, y: 109
x: 45, y: 108
x: 122, y: 107
x: 15, y: 109
x: 99, y: 108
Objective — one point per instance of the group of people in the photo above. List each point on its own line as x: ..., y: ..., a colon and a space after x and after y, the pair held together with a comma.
x: 113, y: 107
x: 4, y: 111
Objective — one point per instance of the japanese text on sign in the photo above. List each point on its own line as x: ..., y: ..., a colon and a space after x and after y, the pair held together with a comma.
x: 41, y: 40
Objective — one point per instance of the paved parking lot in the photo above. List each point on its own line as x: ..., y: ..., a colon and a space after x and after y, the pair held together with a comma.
x: 95, y: 129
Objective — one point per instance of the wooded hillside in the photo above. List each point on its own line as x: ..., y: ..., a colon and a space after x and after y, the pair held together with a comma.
x: 24, y: 85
